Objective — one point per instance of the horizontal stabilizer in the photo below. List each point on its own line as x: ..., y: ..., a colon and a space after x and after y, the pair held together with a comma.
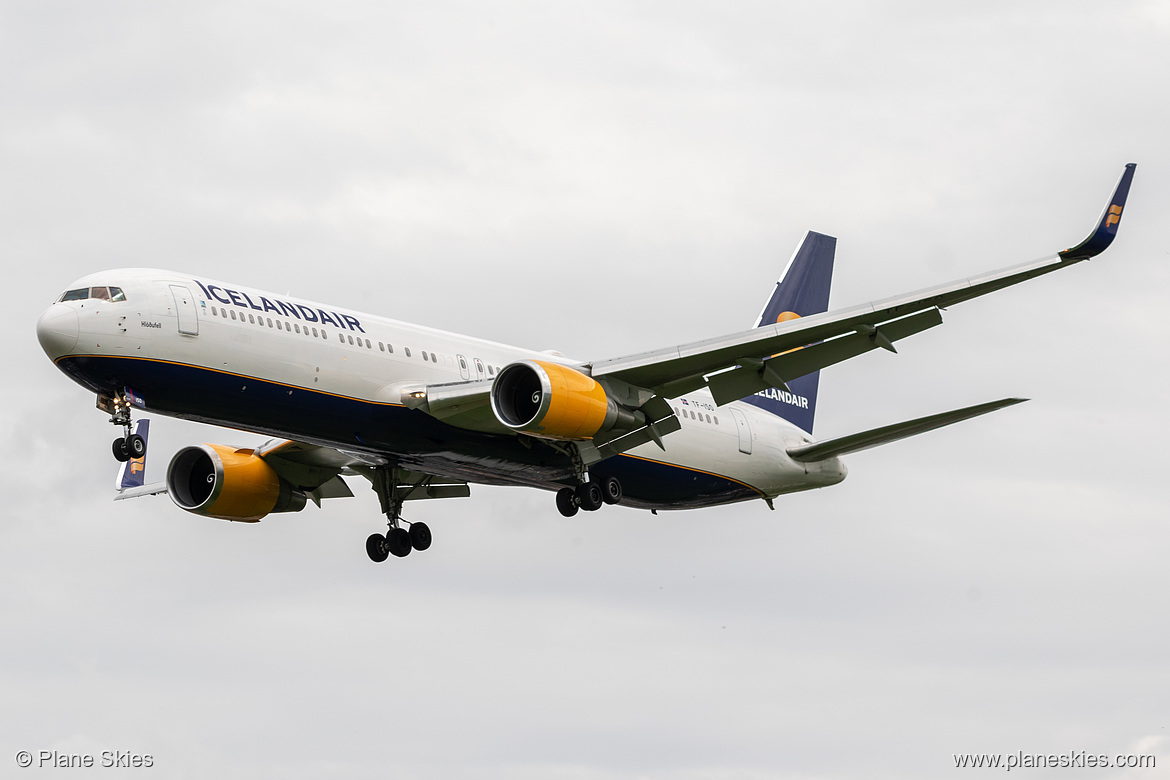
x: 832, y: 448
x: 152, y: 489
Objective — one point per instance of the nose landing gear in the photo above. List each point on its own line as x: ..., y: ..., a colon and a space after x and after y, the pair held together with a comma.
x: 128, y: 445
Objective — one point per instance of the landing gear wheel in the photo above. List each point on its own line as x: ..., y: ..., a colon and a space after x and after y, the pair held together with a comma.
x: 420, y: 536
x: 136, y: 445
x: 589, y: 496
x: 121, y: 451
x: 567, y: 502
x: 611, y: 490
x: 377, y: 548
x: 398, y: 542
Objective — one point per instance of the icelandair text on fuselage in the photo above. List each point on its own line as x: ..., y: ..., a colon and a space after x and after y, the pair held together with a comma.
x: 279, y: 308
x: 785, y: 396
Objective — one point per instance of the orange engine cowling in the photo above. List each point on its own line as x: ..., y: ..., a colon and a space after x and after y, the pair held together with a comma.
x: 554, y: 401
x: 231, y: 484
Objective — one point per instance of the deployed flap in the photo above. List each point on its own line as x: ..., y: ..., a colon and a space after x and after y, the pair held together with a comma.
x: 753, y: 376
x: 832, y: 448
x: 309, y: 467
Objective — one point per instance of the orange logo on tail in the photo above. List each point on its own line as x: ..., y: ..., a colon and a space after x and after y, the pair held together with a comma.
x: 785, y: 316
x: 1113, y: 217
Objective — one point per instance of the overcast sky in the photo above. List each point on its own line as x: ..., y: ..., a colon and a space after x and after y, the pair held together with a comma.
x: 602, y: 178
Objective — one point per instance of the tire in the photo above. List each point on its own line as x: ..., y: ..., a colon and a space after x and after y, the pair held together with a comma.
x: 137, y: 446
x: 611, y: 490
x: 589, y: 496
x: 420, y: 536
x: 567, y: 502
x: 376, y: 548
x: 121, y: 453
x: 398, y: 541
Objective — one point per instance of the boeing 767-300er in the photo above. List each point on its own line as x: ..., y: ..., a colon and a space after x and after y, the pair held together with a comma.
x: 422, y: 413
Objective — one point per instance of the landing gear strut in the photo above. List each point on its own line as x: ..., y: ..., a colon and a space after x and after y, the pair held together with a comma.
x: 128, y: 445
x: 397, y: 541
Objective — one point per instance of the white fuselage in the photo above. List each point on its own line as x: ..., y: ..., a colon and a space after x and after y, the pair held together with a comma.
x: 195, y: 348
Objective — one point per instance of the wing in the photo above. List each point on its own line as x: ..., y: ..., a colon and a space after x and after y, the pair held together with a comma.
x: 316, y: 471
x: 742, y: 363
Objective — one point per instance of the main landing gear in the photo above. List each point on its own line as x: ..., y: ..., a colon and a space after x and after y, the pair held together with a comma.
x: 128, y: 445
x: 589, y: 496
x: 397, y: 541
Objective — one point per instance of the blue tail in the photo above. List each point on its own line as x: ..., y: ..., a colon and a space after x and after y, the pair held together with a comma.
x: 133, y: 472
x: 803, y: 289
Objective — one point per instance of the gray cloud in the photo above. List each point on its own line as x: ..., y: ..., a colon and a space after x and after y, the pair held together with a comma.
x: 600, y: 179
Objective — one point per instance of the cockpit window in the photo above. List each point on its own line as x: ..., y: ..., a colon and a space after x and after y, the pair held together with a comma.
x: 111, y: 294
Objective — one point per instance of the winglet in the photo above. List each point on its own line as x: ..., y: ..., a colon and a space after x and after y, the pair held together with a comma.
x: 1100, y: 239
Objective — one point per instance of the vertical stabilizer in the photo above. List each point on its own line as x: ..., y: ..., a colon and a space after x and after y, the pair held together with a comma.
x: 803, y: 289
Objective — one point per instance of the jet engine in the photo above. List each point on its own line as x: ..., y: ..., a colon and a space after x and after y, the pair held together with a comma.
x: 230, y: 484
x: 555, y: 401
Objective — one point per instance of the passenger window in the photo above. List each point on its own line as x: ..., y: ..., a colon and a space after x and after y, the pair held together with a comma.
x: 708, y: 417
x: 716, y: 420
x: 491, y: 370
x: 214, y: 312
x: 314, y: 331
x: 99, y: 293
x: 76, y: 295
x: 390, y: 348
x: 298, y: 327
x: 407, y: 350
x: 368, y: 345
x: 116, y: 295
x: 251, y: 319
x: 424, y: 355
x: 381, y: 347
x: 351, y: 340
x: 270, y: 323
x: 341, y: 337
x: 279, y: 326
x: 233, y: 314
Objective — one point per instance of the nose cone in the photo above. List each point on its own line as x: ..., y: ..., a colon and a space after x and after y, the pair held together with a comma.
x: 57, y: 330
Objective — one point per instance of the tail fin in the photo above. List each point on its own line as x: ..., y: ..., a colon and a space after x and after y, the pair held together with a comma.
x: 803, y: 289
x: 133, y: 472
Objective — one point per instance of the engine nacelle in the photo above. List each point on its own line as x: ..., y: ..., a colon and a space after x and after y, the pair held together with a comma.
x: 554, y: 401
x: 230, y: 484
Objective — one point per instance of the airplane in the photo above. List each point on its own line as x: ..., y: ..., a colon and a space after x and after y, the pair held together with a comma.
x: 423, y: 413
